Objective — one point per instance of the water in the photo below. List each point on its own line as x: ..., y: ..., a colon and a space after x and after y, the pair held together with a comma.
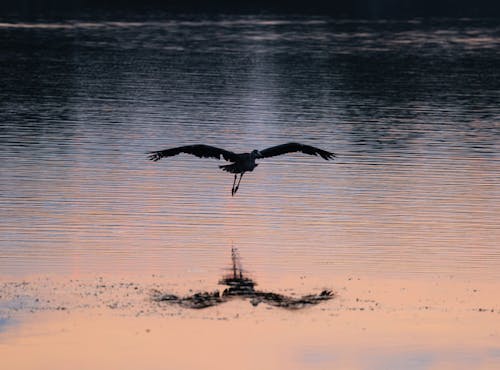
x: 411, y: 108
x: 402, y: 226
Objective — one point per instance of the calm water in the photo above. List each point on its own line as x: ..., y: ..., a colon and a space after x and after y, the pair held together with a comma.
x: 411, y: 108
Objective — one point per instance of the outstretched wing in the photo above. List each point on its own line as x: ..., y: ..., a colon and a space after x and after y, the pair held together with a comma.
x: 199, y: 150
x: 295, y: 147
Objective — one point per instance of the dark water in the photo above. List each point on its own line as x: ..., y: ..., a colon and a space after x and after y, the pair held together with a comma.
x: 411, y: 108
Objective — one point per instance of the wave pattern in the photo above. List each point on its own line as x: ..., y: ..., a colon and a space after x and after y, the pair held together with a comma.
x: 411, y: 109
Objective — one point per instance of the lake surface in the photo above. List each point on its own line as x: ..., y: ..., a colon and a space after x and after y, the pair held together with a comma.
x: 411, y: 108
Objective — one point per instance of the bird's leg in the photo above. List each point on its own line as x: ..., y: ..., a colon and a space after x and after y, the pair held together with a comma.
x: 238, y: 185
x: 234, y: 182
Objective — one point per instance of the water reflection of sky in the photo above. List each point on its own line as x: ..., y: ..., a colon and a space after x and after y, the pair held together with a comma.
x: 298, y: 342
x: 402, y: 225
x: 411, y: 112
x: 3, y: 323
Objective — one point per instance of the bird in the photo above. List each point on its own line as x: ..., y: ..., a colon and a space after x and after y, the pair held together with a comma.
x: 241, y: 162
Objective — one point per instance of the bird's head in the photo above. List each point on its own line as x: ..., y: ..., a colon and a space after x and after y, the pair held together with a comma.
x: 256, y: 154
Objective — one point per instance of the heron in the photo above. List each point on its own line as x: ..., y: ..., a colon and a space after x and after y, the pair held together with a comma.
x: 241, y: 162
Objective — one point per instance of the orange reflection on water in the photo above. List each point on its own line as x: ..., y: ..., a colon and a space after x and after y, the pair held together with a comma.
x: 371, y: 324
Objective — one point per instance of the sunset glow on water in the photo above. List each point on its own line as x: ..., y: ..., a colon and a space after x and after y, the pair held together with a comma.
x: 402, y: 226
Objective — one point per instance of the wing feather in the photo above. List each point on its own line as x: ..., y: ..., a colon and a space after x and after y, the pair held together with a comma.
x: 199, y: 150
x: 295, y: 147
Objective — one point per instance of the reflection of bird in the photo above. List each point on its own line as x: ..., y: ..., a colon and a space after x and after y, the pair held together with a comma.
x: 242, y: 162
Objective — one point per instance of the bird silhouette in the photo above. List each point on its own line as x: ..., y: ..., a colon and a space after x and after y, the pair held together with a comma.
x: 241, y: 162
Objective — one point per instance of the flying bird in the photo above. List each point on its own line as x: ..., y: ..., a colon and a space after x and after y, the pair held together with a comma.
x: 241, y: 162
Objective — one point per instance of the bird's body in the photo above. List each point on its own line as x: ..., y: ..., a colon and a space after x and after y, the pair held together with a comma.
x: 245, y: 163
x: 241, y: 162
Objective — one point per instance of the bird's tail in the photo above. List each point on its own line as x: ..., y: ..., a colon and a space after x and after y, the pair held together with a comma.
x: 233, y: 168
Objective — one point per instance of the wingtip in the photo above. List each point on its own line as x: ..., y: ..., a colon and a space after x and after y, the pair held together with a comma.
x: 329, y: 156
x: 153, y: 156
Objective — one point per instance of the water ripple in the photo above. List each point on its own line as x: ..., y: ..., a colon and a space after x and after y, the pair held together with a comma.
x: 410, y: 108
